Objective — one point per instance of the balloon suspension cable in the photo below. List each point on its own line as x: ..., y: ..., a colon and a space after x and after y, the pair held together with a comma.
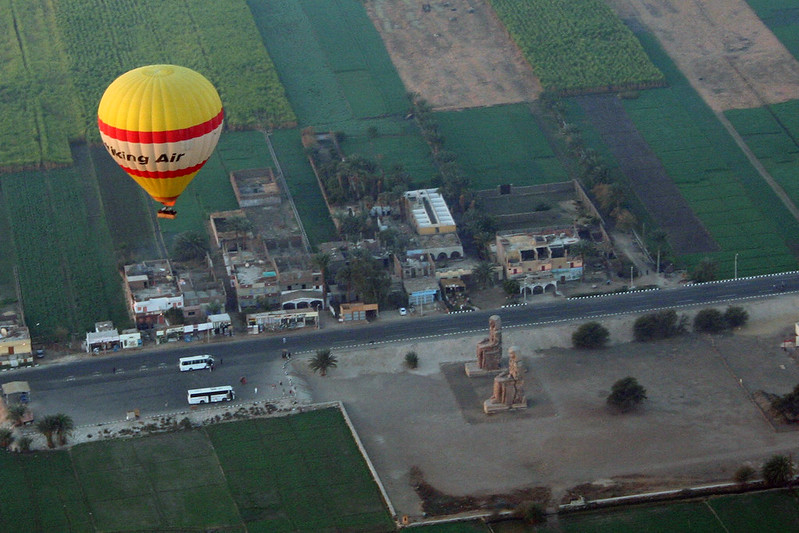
x: 167, y: 212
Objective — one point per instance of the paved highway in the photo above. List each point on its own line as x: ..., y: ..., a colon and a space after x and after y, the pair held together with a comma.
x: 103, y: 388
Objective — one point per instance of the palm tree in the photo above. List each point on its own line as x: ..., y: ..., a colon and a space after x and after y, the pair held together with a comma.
x: 322, y: 361
x: 47, y: 426
x: 17, y: 412
x: 64, y: 427
x: 483, y: 274
x: 778, y: 470
x: 6, y: 437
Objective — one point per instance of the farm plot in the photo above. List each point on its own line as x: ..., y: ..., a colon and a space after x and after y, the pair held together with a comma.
x: 577, y: 47
x: 397, y: 142
x: 738, y: 208
x: 159, y: 482
x: 41, y: 493
x: 67, y: 270
x: 303, y: 186
x: 322, y: 483
x: 218, y: 39
x: 294, y: 473
x: 500, y: 144
x: 646, y: 175
x: 331, y: 60
x: 771, y: 133
x: 40, y: 111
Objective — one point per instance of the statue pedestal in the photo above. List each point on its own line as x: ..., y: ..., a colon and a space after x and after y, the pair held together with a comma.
x: 473, y: 370
x: 490, y: 407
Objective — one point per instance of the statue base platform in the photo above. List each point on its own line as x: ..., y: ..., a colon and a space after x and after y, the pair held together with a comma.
x: 490, y: 407
x: 473, y: 371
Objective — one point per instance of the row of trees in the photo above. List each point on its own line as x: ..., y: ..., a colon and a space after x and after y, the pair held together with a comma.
x: 662, y: 325
x: 56, y: 429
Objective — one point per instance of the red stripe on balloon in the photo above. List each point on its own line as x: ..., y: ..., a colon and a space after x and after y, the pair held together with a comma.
x: 163, y: 174
x: 156, y: 137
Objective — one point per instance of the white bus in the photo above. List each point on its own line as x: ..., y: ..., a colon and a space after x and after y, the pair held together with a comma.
x: 196, y: 362
x: 211, y: 394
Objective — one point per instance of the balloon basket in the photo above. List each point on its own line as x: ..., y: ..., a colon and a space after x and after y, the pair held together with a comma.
x: 166, y: 212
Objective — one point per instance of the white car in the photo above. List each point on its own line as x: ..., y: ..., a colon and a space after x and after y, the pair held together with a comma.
x: 403, y: 311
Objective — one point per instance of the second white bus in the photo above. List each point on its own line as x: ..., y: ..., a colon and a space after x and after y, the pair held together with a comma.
x: 211, y: 395
x: 196, y: 362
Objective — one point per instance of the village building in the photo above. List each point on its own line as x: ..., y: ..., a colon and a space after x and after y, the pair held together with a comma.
x: 539, y: 260
x: 434, y: 227
x: 151, y: 289
x: 15, y: 343
x: 106, y: 337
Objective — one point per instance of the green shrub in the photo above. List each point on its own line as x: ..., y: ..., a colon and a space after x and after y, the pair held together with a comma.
x: 735, y: 316
x: 590, y: 335
x: 411, y: 360
x: 744, y: 474
x: 709, y: 321
x: 658, y: 325
x: 626, y: 394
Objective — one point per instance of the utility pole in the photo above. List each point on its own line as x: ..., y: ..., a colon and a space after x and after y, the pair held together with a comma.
x: 736, y: 265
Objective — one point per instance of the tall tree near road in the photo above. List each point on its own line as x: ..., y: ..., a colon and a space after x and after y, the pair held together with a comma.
x: 322, y: 361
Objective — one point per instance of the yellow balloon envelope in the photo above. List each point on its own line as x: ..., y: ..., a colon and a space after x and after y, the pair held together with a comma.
x: 161, y: 123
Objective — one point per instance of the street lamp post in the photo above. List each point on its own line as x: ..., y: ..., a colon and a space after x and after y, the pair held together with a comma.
x: 736, y: 266
x: 632, y: 286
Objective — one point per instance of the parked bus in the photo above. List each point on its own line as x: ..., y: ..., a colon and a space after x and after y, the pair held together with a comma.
x: 196, y: 362
x: 211, y: 394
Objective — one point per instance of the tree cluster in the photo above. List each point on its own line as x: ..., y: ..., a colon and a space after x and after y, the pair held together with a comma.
x: 714, y: 321
x: 659, y: 325
x: 365, y: 277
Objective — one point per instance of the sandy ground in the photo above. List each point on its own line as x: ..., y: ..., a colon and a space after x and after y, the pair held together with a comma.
x: 698, y: 425
x: 730, y: 57
x: 456, y: 55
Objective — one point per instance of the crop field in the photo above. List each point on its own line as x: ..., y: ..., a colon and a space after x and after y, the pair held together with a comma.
x: 734, y: 203
x: 577, y: 46
x: 303, y: 186
x: 294, y: 473
x: 500, y: 144
x: 41, y: 111
x: 771, y: 133
x: 398, y: 142
x: 330, y: 59
x: 64, y: 250
x: 58, y: 57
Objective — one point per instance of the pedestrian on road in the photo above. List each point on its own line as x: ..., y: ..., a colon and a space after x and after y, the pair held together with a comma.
x: 220, y: 361
x: 243, y: 380
x: 284, y: 340
x: 114, y: 370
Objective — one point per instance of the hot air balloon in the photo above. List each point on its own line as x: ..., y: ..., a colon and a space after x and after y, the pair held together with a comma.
x: 161, y: 123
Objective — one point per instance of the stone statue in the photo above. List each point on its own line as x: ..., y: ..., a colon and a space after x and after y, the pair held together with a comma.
x: 489, y: 350
x: 508, y: 390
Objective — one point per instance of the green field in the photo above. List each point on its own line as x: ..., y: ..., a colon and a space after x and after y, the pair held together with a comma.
x: 285, y: 474
x: 331, y: 60
x: 735, y: 204
x: 501, y: 144
x: 577, y: 46
x: 772, y: 133
x: 64, y: 251
x: 60, y: 55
